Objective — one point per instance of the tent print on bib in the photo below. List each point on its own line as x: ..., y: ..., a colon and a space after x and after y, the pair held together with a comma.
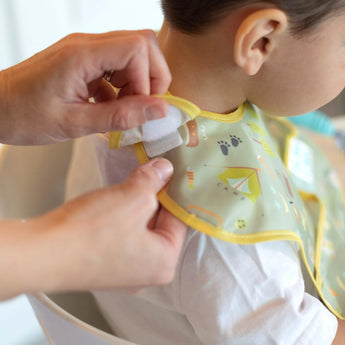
x: 244, y: 180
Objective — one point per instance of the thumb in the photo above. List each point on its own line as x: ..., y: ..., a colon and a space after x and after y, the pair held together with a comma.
x: 121, y: 114
x: 153, y: 175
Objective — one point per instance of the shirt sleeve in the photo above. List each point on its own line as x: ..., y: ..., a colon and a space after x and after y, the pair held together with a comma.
x: 254, y: 294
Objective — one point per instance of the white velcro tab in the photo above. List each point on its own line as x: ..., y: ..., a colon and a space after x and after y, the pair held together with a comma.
x: 157, y: 147
x: 157, y: 129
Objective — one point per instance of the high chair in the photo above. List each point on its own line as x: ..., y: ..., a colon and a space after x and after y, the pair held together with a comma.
x: 32, y: 181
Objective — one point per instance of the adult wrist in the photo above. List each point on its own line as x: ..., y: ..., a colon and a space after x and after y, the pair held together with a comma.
x: 29, y: 261
x: 16, y: 259
x: 47, y: 249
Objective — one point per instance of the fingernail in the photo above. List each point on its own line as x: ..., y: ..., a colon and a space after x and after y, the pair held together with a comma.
x: 163, y: 168
x: 155, y: 111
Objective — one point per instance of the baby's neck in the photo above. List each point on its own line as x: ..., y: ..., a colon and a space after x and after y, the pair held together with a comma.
x: 202, y: 72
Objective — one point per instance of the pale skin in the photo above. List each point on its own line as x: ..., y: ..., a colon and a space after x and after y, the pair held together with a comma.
x: 95, y: 242
x: 253, y: 61
x: 49, y: 92
x: 111, y: 238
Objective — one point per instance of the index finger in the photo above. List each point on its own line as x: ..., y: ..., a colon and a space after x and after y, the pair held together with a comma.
x: 160, y: 75
x: 135, y: 57
x: 171, y: 228
x: 156, y: 79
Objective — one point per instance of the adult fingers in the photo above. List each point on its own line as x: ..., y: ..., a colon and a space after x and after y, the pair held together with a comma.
x: 171, y: 233
x: 151, y: 176
x: 101, y: 91
x: 144, y: 183
x: 158, y: 70
x: 171, y: 228
x: 113, y: 115
x: 134, y: 56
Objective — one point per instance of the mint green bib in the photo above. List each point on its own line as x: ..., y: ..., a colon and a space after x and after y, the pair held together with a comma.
x: 248, y: 178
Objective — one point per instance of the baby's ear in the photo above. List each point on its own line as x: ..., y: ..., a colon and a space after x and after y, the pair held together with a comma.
x: 257, y: 37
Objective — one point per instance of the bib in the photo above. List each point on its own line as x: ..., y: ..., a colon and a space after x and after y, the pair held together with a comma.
x: 246, y: 178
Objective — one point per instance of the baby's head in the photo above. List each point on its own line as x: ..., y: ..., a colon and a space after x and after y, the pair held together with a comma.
x: 293, y: 51
x: 194, y: 16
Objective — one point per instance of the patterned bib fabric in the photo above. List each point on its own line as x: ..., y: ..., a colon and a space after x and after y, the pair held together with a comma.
x: 248, y: 178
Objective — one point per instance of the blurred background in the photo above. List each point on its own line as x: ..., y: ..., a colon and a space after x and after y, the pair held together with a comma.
x: 28, y: 26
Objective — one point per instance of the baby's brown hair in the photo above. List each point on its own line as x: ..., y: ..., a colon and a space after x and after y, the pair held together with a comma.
x: 194, y: 16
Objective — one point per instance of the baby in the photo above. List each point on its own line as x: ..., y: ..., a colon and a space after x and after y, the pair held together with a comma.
x: 266, y: 220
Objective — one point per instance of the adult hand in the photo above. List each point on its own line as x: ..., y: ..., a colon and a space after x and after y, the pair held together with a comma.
x: 46, y: 98
x: 106, y: 239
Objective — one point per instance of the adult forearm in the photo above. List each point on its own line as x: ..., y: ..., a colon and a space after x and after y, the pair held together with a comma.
x: 106, y: 239
x: 23, y: 268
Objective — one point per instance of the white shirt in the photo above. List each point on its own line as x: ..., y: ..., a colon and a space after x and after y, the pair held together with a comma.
x: 222, y: 293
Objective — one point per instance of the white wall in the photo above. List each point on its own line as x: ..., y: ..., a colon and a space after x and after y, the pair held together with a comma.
x: 27, y: 26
